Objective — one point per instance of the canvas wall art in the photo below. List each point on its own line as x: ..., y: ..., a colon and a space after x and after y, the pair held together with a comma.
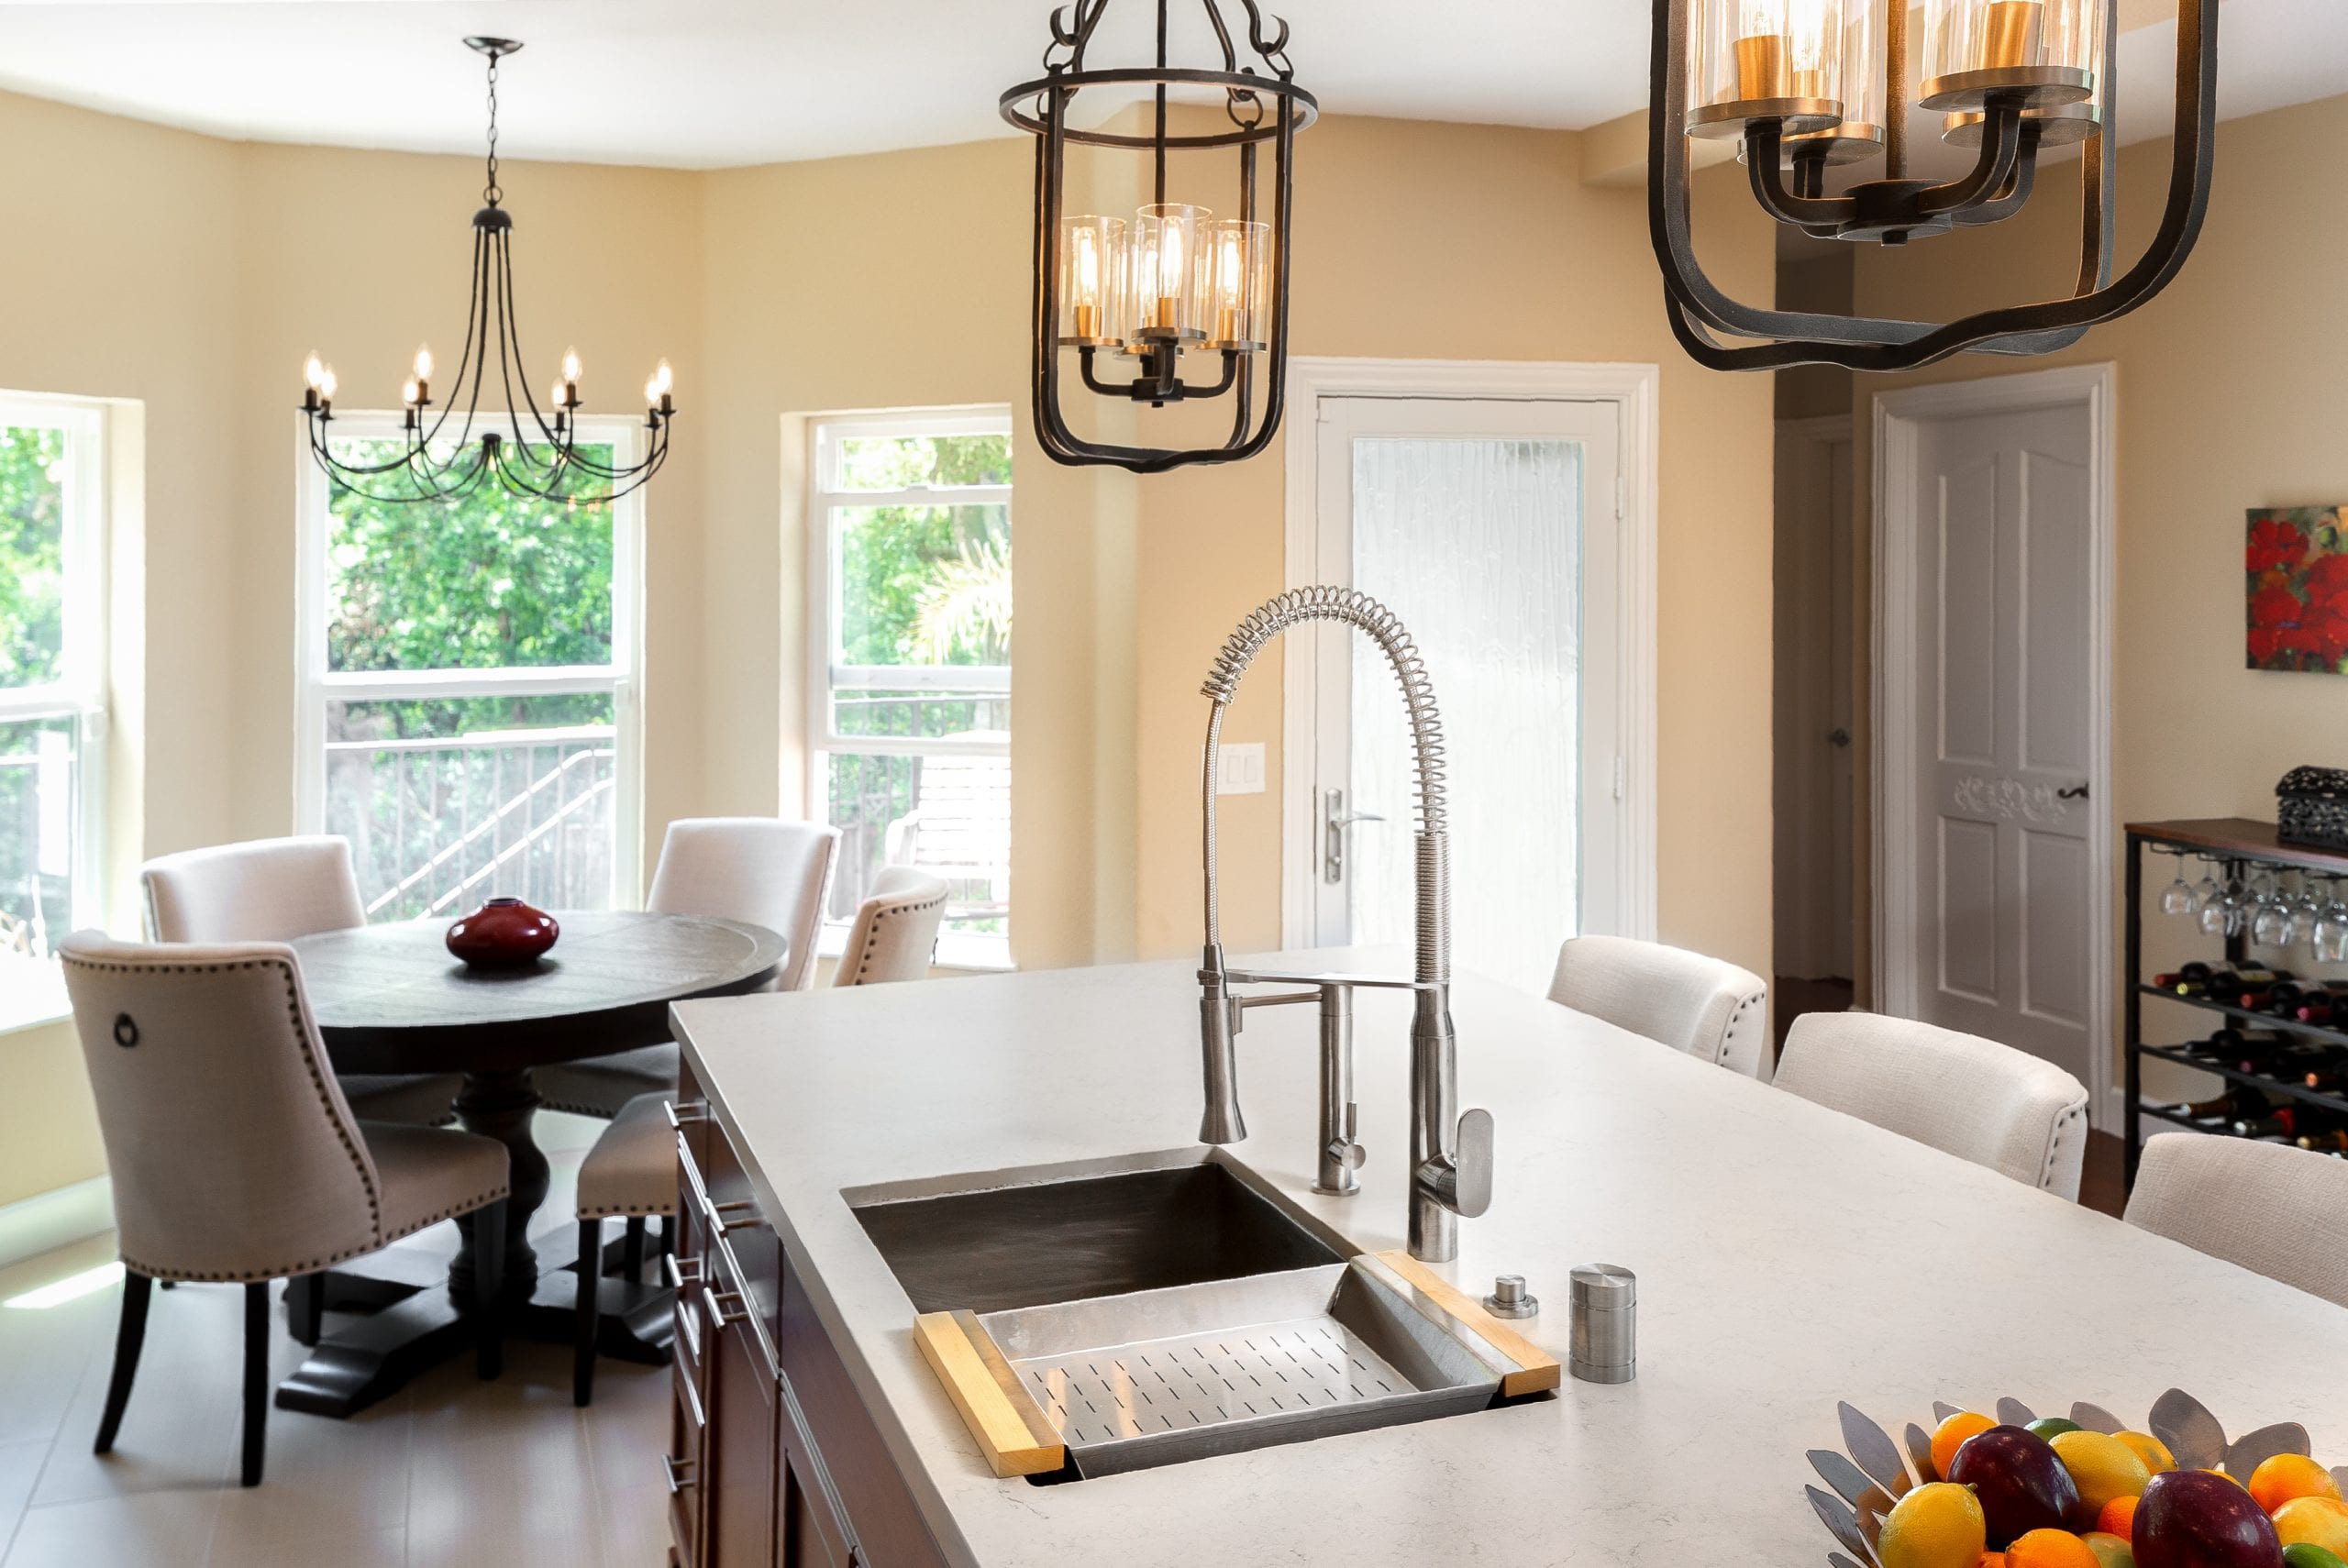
x: 2298, y: 589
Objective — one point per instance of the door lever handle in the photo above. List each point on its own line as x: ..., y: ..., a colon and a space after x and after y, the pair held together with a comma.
x: 2076, y: 792
x: 1335, y: 820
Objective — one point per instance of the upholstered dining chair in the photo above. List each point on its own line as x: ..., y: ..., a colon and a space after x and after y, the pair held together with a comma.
x: 763, y: 870
x: 274, y: 889
x: 1968, y: 1096
x: 2274, y: 1210
x: 235, y: 1156
x: 1703, y: 1005
x: 631, y: 1173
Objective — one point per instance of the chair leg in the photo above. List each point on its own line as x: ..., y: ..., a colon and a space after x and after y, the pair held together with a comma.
x: 306, y: 1307
x: 489, y: 1291
x: 255, y: 1379
x: 129, y: 1336
x: 583, y: 1347
x: 632, y: 1251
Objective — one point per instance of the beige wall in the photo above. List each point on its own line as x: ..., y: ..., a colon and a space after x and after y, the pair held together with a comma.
x: 192, y: 275
x: 2230, y: 389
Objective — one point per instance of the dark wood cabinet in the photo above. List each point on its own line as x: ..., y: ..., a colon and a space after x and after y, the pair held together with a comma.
x: 766, y: 1423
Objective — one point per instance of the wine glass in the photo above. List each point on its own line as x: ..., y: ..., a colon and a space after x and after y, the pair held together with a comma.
x: 2270, y: 924
x: 2332, y: 926
x: 2240, y: 904
x: 2212, y: 902
x: 2178, y: 898
x: 2308, y: 912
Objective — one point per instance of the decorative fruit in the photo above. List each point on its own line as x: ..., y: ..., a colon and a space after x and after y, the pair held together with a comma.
x: 2102, y: 1467
x: 2285, y: 1477
x: 2315, y: 1521
x: 2110, y: 1550
x: 1934, y: 1525
x: 2052, y: 1549
x: 2117, y: 1517
x: 2021, y: 1483
x: 2052, y: 1426
x: 1950, y: 1436
x: 2196, y: 1518
x: 2308, y: 1554
x: 2151, y: 1450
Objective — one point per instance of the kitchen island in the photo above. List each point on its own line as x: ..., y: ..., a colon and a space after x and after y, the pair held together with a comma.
x: 1786, y: 1256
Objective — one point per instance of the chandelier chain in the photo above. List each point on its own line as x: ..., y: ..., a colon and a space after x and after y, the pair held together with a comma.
x: 491, y: 191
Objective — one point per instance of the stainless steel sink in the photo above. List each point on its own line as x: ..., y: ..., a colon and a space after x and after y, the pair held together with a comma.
x: 1042, y: 1235
x: 1170, y: 1307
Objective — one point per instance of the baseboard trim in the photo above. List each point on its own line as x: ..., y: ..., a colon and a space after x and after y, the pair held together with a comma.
x: 49, y: 1221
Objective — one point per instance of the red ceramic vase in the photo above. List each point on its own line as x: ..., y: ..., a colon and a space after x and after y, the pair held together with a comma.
x: 503, y: 934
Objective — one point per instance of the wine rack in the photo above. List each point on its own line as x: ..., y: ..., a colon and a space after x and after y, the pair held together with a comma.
x: 2238, y: 842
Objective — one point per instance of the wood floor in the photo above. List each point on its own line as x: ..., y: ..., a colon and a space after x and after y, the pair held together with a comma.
x: 450, y: 1472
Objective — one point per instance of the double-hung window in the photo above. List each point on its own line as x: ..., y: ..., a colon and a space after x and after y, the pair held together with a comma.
x: 53, y: 684
x: 909, y: 666
x: 468, y: 711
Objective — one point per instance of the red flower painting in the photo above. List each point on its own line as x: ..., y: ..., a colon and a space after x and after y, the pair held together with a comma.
x: 2297, y: 573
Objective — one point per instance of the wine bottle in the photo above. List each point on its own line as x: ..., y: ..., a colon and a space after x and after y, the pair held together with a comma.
x: 2227, y: 985
x: 2192, y: 980
x: 2283, y: 1121
x: 2332, y: 1141
x: 2329, y: 1080
x: 2243, y: 1101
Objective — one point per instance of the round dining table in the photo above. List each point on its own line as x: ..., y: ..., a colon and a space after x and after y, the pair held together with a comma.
x: 391, y: 998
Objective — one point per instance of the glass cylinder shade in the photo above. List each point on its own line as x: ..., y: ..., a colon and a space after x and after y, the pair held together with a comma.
x: 1093, y: 282
x: 1865, y: 86
x: 1169, y: 279
x: 1758, y: 59
x: 2045, y: 48
x: 1240, y: 262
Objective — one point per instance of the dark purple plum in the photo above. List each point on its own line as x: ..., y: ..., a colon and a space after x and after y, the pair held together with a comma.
x: 2193, y: 1519
x: 2021, y: 1483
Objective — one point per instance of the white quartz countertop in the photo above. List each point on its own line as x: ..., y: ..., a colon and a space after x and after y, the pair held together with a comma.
x: 1788, y: 1256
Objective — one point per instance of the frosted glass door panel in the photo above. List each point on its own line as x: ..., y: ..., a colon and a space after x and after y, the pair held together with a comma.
x: 1470, y: 521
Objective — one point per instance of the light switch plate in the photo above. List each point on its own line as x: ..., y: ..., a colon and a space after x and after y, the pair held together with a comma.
x: 1241, y: 769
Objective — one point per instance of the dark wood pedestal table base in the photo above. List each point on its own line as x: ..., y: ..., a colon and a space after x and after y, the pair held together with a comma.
x: 389, y: 998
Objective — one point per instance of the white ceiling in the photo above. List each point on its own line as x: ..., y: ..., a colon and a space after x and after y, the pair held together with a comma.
x: 707, y: 84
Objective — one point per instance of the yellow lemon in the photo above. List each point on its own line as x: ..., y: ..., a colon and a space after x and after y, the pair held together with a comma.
x: 2151, y: 1450
x: 2102, y: 1467
x: 1935, y: 1526
x: 2285, y: 1477
x: 2318, y: 1521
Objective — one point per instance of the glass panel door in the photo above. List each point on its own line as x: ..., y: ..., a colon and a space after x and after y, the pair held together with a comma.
x: 1482, y: 525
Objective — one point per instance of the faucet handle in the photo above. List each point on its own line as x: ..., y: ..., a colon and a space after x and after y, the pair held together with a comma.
x: 1473, y: 1191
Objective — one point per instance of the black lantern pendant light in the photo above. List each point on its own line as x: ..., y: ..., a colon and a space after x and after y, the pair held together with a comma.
x: 1173, y: 287
x: 537, y: 452
x: 1806, y: 85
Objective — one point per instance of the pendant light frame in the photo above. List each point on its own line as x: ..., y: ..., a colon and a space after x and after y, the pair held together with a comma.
x: 1267, y: 108
x: 1701, y: 313
x: 537, y: 454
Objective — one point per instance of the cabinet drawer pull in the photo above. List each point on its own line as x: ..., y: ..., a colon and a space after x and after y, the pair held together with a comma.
x: 692, y: 1114
x: 722, y: 1226
x: 714, y: 1301
x: 675, y: 1472
x: 675, y: 1268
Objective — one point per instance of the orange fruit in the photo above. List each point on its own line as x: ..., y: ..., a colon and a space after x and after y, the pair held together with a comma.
x: 2101, y: 1467
x: 2319, y: 1521
x: 1934, y: 1525
x: 2151, y: 1450
x: 2051, y: 1549
x: 1991, y: 1560
x: 1950, y: 1435
x: 2235, y: 1479
x: 2117, y: 1517
x: 2287, y: 1475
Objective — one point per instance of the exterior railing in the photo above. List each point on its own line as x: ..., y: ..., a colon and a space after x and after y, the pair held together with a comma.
x: 437, y: 826
x: 924, y: 777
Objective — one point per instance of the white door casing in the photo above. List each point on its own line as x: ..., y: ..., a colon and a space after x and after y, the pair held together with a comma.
x: 1994, y: 506
x: 1604, y: 414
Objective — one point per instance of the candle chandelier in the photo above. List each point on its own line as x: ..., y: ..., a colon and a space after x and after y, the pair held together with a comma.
x: 1809, y: 85
x: 1173, y: 286
x: 536, y: 452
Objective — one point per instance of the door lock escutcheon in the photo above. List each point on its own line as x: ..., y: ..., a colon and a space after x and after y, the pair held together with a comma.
x: 1335, y: 820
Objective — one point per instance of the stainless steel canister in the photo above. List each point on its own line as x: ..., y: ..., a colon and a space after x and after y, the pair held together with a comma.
x: 1604, y: 1324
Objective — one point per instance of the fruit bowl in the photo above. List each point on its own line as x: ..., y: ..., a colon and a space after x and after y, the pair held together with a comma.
x: 2018, y: 1490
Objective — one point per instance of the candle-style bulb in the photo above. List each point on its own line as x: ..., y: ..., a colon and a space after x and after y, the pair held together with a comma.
x: 1088, y: 268
x: 664, y: 379
x: 556, y: 396
x: 423, y: 363
x: 325, y: 382
x: 571, y: 364
x: 314, y: 372
x: 409, y: 392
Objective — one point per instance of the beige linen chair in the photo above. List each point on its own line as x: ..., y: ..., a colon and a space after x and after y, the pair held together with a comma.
x: 274, y: 889
x: 1968, y: 1096
x: 2276, y: 1210
x: 763, y: 870
x: 632, y: 1170
x: 235, y: 1156
x: 1703, y: 1005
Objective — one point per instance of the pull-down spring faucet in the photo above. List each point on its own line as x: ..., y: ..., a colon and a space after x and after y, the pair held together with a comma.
x: 1451, y: 1155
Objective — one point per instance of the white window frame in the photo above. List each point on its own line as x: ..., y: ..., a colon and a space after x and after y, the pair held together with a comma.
x: 316, y: 686
x: 81, y: 693
x: 824, y: 676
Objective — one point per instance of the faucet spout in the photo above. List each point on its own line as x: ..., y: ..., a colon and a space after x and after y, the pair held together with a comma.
x: 1450, y: 1154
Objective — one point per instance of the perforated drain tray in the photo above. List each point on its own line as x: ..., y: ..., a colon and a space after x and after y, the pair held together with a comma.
x: 1165, y: 1376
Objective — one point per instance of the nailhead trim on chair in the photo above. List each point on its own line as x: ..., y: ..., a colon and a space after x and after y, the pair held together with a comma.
x: 1728, y: 1035
x: 2063, y: 1124
x: 470, y: 1206
x: 864, y: 959
x: 668, y: 1208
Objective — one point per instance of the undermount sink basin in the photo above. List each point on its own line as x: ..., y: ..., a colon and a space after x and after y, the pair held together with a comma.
x: 1029, y: 1238
x: 1169, y: 1308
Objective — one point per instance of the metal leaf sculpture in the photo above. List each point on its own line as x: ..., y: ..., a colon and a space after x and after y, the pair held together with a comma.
x: 2247, y: 1454
x: 1842, y: 1524
x: 2189, y: 1430
x: 2014, y: 1413
x: 1850, y: 1483
x: 1920, y: 1450
x: 2096, y: 1419
x: 1875, y: 1450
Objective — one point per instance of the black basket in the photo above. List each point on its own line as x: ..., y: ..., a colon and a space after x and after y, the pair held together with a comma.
x: 2312, y: 807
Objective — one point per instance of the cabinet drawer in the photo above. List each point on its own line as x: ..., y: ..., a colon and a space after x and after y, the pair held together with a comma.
x: 885, y: 1519
x: 681, y: 1467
